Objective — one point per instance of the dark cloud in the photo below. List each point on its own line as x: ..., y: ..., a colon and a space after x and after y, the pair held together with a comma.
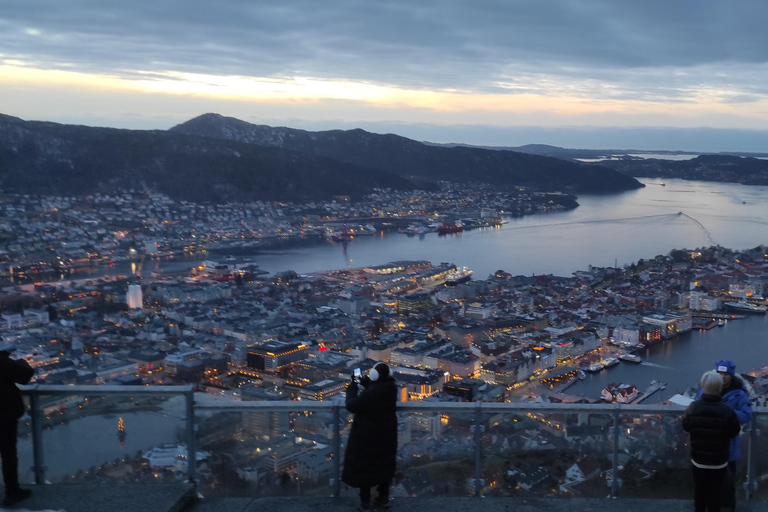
x: 652, y: 49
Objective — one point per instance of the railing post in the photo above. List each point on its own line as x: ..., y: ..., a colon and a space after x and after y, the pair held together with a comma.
x: 751, y: 483
x: 615, y: 480
x: 478, y: 448
x: 191, y: 437
x: 35, y: 414
x: 337, y: 449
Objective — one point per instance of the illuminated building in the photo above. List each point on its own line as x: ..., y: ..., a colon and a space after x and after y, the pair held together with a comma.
x: 399, y: 266
x: 414, y: 303
x: 471, y: 390
x: 413, y: 355
x: 150, y: 361
x: 464, y: 335
x: 321, y: 390
x: 274, y: 355
x: 502, y: 372
x: 464, y: 364
x: 669, y: 325
x: 134, y: 296
x: 704, y: 302
x: 316, y: 466
x: 265, y: 423
x: 416, y: 384
x: 429, y: 422
x: 190, y: 366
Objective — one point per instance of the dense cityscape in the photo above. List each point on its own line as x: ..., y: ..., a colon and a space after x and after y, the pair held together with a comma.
x: 241, y: 334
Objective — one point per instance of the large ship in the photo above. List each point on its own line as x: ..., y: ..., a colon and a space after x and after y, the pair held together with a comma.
x: 459, y: 275
x: 743, y: 306
x: 620, y: 393
x: 610, y: 361
x: 447, y: 228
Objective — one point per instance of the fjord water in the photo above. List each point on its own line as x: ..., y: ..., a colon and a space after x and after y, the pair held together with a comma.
x: 604, y: 230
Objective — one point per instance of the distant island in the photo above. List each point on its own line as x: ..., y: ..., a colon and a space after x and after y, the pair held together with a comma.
x: 217, y: 159
x: 744, y: 168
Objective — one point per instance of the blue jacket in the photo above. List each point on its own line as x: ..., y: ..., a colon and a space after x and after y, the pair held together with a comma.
x: 737, y: 397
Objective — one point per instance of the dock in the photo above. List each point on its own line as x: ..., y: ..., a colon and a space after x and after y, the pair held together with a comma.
x: 653, y: 388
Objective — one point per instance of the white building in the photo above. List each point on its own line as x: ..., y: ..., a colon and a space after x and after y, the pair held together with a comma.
x: 134, y: 297
x: 171, y: 456
x: 669, y: 324
x: 703, y: 302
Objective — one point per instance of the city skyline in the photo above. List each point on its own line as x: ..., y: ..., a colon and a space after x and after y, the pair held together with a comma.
x: 589, y: 74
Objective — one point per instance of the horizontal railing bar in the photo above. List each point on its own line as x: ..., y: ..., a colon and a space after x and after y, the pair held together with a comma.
x: 454, y: 407
x: 312, y: 405
x: 55, y: 389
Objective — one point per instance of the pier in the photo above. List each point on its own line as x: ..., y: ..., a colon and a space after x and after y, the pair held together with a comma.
x: 653, y: 388
x: 716, y: 316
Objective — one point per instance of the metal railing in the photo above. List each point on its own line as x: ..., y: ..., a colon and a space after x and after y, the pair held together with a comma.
x: 336, y: 407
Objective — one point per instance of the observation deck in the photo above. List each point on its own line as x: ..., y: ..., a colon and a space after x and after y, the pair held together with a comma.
x: 475, y: 455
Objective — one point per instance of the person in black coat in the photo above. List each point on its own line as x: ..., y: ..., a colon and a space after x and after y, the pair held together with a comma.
x: 712, y: 424
x: 12, y: 372
x: 370, y: 458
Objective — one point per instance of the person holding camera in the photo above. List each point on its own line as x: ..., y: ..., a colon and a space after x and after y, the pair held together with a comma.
x: 371, y: 454
x: 12, y: 372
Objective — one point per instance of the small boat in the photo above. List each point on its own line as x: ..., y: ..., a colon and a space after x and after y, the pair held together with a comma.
x: 720, y: 323
x: 631, y: 358
x: 120, y: 428
x: 581, y: 374
x: 596, y: 366
x: 610, y: 361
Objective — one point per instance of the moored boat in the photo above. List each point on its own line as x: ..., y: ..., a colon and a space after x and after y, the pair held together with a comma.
x: 596, y: 366
x: 447, y: 228
x: 743, y: 306
x: 631, y: 358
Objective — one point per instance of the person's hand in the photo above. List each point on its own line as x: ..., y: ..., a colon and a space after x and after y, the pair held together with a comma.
x: 365, y: 381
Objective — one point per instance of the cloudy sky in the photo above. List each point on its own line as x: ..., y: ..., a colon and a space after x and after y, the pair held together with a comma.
x: 665, y: 74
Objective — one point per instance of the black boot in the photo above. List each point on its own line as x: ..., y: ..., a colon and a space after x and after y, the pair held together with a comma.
x: 13, y: 497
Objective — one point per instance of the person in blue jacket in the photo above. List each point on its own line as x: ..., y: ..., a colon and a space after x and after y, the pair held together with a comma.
x: 737, y: 395
x: 12, y: 372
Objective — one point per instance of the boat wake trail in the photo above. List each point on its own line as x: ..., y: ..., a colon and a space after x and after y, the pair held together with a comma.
x: 654, y: 365
x: 597, y: 221
x: 701, y: 226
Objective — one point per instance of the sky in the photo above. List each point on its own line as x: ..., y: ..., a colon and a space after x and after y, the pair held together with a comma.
x: 687, y: 75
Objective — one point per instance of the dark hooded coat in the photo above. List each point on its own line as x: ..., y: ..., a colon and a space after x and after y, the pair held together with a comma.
x: 712, y: 424
x: 371, y: 453
x: 12, y: 372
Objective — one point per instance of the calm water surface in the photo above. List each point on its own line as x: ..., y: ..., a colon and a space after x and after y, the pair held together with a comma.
x: 605, y: 230
x: 92, y: 440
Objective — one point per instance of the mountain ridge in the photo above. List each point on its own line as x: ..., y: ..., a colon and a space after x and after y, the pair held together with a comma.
x: 394, y: 153
x: 212, y: 158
